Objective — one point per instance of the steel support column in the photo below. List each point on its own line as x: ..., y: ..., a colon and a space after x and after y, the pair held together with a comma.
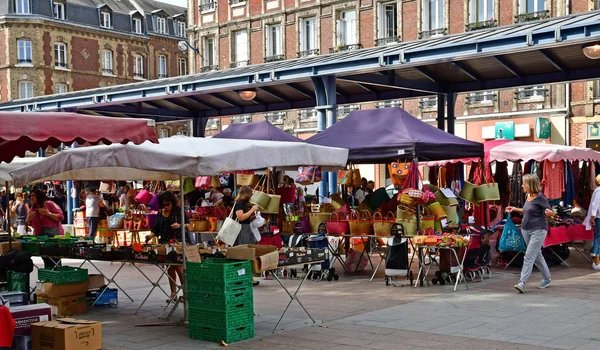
x: 441, y: 111
x: 199, y: 125
x: 450, y: 99
x: 325, y: 92
x: 70, y: 200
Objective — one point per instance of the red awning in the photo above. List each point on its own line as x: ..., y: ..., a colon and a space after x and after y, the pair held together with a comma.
x: 30, y: 131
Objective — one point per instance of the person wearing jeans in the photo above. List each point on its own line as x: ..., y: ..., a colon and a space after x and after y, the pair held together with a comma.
x: 93, y: 202
x: 593, y: 220
x: 534, y: 228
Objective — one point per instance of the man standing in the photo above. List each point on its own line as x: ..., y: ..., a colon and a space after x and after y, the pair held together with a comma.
x: 93, y: 202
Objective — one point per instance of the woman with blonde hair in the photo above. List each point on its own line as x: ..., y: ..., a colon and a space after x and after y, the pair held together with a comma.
x: 534, y: 228
x: 245, y: 215
x: 593, y: 220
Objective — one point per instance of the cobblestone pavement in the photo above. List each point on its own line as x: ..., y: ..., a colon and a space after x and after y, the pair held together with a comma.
x: 354, y: 313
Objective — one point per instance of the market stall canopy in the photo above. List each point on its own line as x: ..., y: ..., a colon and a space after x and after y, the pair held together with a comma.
x: 177, y: 156
x: 256, y: 131
x: 512, y: 151
x: 30, y: 131
x: 16, y: 163
x: 387, y: 134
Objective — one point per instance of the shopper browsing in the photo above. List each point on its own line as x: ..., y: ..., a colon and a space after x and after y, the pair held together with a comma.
x: 93, y: 202
x: 167, y: 229
x: 20, y: 210
x: 593, y: 220
x: 534, y: 228
x: 45, y: 217
x: 245, y: 214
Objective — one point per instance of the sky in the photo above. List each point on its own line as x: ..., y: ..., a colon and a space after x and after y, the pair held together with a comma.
x: 182, y: 3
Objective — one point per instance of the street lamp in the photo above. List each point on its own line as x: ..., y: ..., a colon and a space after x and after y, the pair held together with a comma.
x: 248, y: 94
x: 592, y: 51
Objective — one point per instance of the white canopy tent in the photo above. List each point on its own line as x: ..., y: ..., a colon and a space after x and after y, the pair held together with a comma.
x: 17, y: 163
x: 177, y: 156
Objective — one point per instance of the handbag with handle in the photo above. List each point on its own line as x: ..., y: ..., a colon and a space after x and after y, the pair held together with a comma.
x: 356, y: 178
x: 335, y: 226
x: 259, y: 197
x: 488, y: 189
x: 383, y: 226
x: 249, y: 180
x: 202, y: 182
x: 345, y: 177
x: 361, y: 223
x: 229, y: 230
x: 398, y: 172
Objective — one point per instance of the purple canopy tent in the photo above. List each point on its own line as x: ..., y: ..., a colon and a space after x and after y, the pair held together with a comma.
x: 387, y: 134
x: 264, y: 131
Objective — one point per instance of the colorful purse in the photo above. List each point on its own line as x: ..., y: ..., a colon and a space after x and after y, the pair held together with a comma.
x: 345, y: 177
x: 337, y: 226
x: 398, y: 172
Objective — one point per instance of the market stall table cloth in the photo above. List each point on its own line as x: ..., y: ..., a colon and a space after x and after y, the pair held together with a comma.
x: 564, y: 234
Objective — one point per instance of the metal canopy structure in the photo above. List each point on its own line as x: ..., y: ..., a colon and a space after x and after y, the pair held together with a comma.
x: 532, y: 53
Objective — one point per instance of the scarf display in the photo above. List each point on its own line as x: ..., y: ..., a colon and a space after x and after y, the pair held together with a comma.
x: 502, y: 179
x: 569, y: 193
x: 517, y: 196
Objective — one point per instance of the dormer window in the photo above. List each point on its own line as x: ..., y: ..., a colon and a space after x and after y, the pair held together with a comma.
x: 58, y: 9
x: 161, y: 25
x: 180, y: 28
x: 137, y: 26
x: 22, y: 6
x: 105, y: 19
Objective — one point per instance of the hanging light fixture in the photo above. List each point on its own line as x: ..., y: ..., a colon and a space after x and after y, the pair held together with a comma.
x: 248, y: 94
x: 592, y: 51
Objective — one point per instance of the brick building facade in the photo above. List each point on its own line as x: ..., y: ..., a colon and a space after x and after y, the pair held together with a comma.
x: 233, y: 33
x: 61, y: 46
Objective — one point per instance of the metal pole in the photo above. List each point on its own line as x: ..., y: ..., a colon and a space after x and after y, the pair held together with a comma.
x: 8, y: 210
x: 185, y: 301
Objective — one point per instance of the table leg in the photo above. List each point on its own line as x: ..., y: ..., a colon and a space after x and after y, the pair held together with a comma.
x: 461, y: 274
x: 382, y: 258
x: 580, y: 252
x: 421, y: 267
x: 513, y: 259
x: 110, y: 280
x: 154, y: 285
x: 294, y: 297
x: 337, y: 255
x: 558, y: 256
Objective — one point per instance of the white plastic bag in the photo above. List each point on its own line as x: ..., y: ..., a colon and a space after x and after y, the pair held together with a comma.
x: 230, y: 230
x: 258, y: 222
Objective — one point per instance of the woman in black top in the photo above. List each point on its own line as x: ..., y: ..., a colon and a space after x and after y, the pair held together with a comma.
x: 168, y: 228
x: 245, y: 215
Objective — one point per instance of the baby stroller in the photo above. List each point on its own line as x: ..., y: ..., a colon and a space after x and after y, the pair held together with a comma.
x: 397, y: 263
x: 476, y: 263
x: 323, y: 270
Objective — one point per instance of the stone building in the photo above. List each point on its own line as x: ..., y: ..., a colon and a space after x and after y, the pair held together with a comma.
x: 59, y: 46
x: 233, y: 33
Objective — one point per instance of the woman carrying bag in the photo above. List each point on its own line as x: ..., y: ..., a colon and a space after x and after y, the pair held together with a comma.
x: 534, y: 228
x: 168, y: 228
x: 245, y: 215
x: 45, y: 218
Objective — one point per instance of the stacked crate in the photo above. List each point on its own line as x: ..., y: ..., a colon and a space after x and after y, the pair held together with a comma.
x: 221, y: 302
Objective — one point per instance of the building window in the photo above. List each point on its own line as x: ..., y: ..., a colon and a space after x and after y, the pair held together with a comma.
x: 24, y: 51
x: 236, y: 2
x: 530, y: 10
x: 275, y: 117
x: 213, y: 124
x: 60, y: 55
x: 59, y: 10
x: 107, y: 62
x: 308, y: 37
x: 207, y: 5
x: 481, y: 98
x: 432, y: 23
x: 161, y: 25
x: 346, y: 28
x: 182, y: 66
x: 209, y: 53
x: 240, y: 119
x: 180, y: 25
x: 274, y: 42
x: 106, y: 20
x: 388, y: 104
x: 22, y: 6
x: 61, y: 89
x: 240, y: 48
x: 387, y: 23
x: 163, y: 133
x: 532, y: 93
x: 597, y: 90
x: 162, y: 66
x: 428, y: 102
x: 481, y: 11
x: 343, y: 111
x: 137, y: 25
x: 138, y: 66
x: 25, y: 89
x: 308, y: 115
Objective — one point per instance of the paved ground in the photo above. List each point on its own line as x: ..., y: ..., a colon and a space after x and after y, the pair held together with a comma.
x: 354, y: 313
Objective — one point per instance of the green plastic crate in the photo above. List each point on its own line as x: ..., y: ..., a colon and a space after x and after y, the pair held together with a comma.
x: 63, y: 275
x: 31, y: 238
x: 220, y: 270
x: 217, y: 287
x: 31, y: 246
x: 235, y: 316
x: 228, y: 335
x: 221, y: 301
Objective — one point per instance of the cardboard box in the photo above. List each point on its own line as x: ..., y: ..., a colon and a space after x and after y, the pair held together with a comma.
x: 4, y: 247
x: 67, y: 334
x: 52, y: 290
x: 26, y: 315
x: 95, y: 282
x: 66, y: 306
x: 264, y: 257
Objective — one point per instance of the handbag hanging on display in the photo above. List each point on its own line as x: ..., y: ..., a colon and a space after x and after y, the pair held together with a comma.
x: 249, y: 180
x: 488, y: 189
x: 398, y: 172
